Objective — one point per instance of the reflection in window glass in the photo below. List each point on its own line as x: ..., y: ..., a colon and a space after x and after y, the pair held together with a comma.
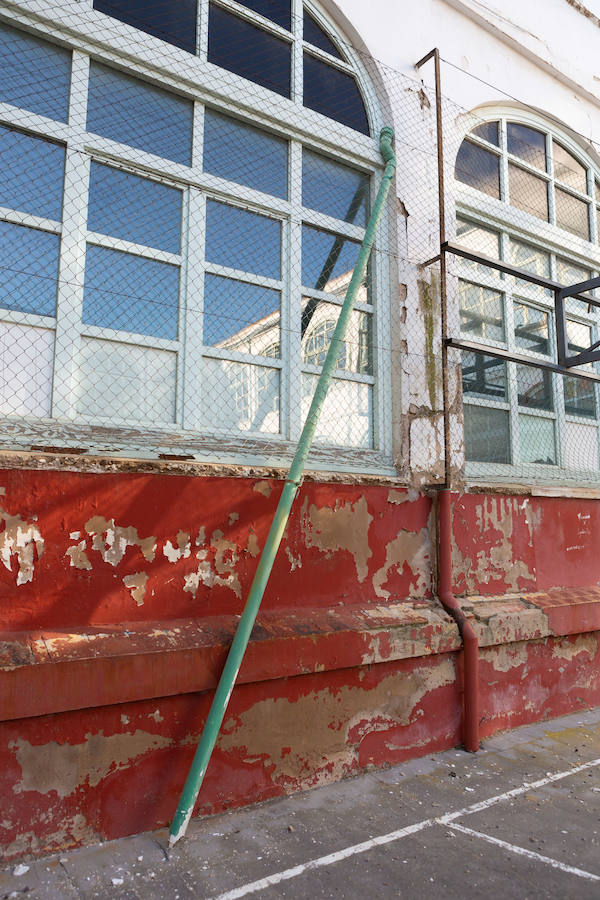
x: 333, y: 93
x: 581, y: 446
x: 328, y: 261
x: 534, y: 388
x: 572, y: 214
x: 527, y: 143
x: 531, y: 328
x: 29, y: 269
x: 241, y: 397
x: 532, y: 260
x: 134, y: 209
x: 318, y: 323
x: 130, y: 293
x: 243, y: 240
x: 347, y: 418
x: 277, y: 11
x: 569, y: 273
x: 139, y: 114
x: 487, y: 434
x: 316, y: 344
x: 479, y: 168
x: 536, y: 440
x: 483, y: 375
x: 34, y: 75
x: 333, y: 189
x: 568, y: 169
x: 263, y: 163
x: 481, y: 311
x: 528, y: 192
x: 240, y: 316
x: 172, y: 22
x: 580, y: 395
x: 314, y: 34
x: 249, y: 51
x: 32, y: 174
x: 481, y: 240
x: 488, y: 131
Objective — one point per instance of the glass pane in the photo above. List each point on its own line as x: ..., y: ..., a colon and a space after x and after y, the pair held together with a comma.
x: 481, y: 312
x: 172, y: 22
x: 249, y: 51
x: 128, y: 110
x: 579, y: 336
x: 487, y: 434
x: 347, y: 417
x: 536, y: 440
x: 34, y: 75
x: 26, y: 389
x: 483, y: 375
x: 569, y: 273
x: 334, y: 94
x: 532, y: 260
x: 528, y: 192
x: 568, y: 169
x: 478, y: 239
x: 597, y: 191
x: 261, y: 165
x: 581, y: 446
x: 580, y: 397
x: 333, y: 189
x: 240, y: 397
x: 534, y: 388
x: 318, y: 324
x: 243, y: 240
x: 29, y: 268
x: 134, y: 209
x: 33, y: 172
x: 479, y: 168
x: 315, y: 35
x: 572, y: 214
x: 125, y: 382
x: 527, y: 143
x: 488, y: 131
x: 277, y: 11
x: 130, y: 293
x: 328, y: 261
x: 242, y: 317
x: 531, y: 329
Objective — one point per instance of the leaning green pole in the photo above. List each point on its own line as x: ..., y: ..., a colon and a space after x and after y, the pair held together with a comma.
x: 228, y: 678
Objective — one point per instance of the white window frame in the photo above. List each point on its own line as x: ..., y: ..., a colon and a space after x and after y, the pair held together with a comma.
x: 89, y: 33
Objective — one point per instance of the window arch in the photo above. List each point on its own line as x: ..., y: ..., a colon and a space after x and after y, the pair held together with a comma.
x: 527, y: 193
x: 165, y: 231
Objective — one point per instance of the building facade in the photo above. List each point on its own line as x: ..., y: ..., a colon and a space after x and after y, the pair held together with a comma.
x: 186, y: 190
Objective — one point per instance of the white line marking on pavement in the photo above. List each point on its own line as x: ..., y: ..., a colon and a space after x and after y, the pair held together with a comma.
x: 530, y: 854
x: 331, y: 858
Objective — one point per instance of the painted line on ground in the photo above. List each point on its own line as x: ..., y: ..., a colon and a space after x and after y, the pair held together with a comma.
x: 521, y: 851
x: 331, y: 858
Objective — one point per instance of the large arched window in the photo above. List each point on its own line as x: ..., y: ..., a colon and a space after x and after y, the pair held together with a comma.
x: 185, y: 186
x: 527, y: 193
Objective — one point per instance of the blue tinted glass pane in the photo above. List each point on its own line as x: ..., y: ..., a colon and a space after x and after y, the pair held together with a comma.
x: 243, y: 240
x: 259, y: 161
x: 314, y: 34
x: 247, y: 50
x: 34, y: 74
x: 334, y: 94
x: 28, y: 269
x: 133, y: 112
x: 172, y: 22
x: 327, y: 260
x: 336, y: 190
x: 33, y: 171
x: 134, y: 209
x: 240, y: 316
x: 129, y: 293
x: 276, y: 10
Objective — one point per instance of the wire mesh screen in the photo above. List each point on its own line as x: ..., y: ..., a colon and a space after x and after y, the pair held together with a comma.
x: 186, y: 188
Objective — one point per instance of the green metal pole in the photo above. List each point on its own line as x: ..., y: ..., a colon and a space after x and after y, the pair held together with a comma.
x: 224, y: 690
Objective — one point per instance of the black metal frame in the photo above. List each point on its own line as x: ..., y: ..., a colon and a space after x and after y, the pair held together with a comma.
x: 566, y: 363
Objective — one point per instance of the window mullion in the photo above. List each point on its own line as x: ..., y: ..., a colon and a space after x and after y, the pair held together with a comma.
x: 297, y: 52
x: 69, y: 302
x: 504, y: 188
x: 202, y: 33
x: 550, y: 188
x: 192, y: 363
x: 291, y: 339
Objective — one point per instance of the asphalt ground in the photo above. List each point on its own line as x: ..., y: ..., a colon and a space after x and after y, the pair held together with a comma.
x: 520, y: 819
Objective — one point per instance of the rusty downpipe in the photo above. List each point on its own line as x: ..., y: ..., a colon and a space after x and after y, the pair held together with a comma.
x: 446, y: 597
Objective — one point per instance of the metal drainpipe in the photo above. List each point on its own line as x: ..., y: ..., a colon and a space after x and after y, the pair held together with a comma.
x: 469, y: 638
x: 235, y: 657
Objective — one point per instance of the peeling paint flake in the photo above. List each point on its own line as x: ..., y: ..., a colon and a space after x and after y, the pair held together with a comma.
x: 345, y: 527
x: 181, y: 551
x: 136, y: 583
x: 111, y: 540
x: 409, y: 548
x: 21, y: 539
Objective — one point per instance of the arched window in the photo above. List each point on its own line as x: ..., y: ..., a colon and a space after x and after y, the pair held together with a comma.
x: 527, y: 193
x: 185, y: 186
